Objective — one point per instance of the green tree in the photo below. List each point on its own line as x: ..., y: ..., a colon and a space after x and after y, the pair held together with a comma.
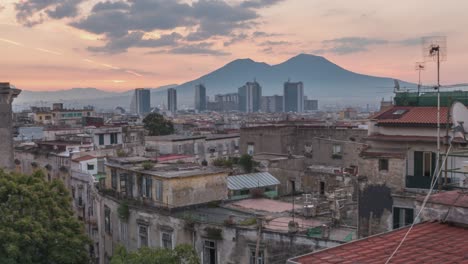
x: 157, y: 125
x: 180, y: 254
x: 247, y: 163
x: 37, y: 224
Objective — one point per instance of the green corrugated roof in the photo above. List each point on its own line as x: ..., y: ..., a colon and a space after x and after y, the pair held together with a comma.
x: 99, y: 176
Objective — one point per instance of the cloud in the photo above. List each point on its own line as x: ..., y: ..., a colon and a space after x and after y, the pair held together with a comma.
x: 235, y: 38
x: 348, y: 45
x: 259, y: 3
x: 261, y: 34
x: 108, y: 5
x: 136, y: 39
x: 410, y: 42
x: 218, y: 18
x: 203, y: 48
x: 268, y: 50
x: 33, y: 12
x: 68, y: 8
x: 123, y: 23
x: 273, y: 43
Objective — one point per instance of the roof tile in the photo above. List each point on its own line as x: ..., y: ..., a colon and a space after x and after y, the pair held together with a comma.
x: 419, y: 247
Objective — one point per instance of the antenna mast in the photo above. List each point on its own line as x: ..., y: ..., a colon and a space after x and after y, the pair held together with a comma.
x: 419, y: 67
x: 435, y: 49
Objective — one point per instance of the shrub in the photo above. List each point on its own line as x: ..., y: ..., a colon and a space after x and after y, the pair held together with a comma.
x: 147, y: 165
x: 123, y: 211
x: 248, y: 222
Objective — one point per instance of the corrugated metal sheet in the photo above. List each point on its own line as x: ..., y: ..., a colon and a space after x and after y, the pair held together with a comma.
x: 251, y: 180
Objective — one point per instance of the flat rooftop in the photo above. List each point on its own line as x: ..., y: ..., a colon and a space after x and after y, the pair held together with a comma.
x: 264, y: 205
x: 164, y: 170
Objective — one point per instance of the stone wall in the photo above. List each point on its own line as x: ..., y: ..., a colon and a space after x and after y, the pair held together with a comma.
x: 234, y: 245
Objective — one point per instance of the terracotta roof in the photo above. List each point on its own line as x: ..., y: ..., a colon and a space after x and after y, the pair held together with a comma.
x: 452, y: 198
x: 410, y: 115
x: 429, y: 242
x: 379, y: 137
x: 83, y: 158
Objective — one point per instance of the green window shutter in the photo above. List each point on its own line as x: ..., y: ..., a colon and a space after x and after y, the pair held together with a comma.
x: 418, y: 163
x: 434, y: 156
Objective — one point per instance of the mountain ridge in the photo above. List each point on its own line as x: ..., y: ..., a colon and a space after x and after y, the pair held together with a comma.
x: 323, y: 80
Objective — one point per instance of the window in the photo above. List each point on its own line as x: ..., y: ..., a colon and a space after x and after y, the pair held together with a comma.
x: 209, y: 252
x: 337, y: 150
x: 399, y: 112
x: 166, y: 240
x: 113, y: 138
x: 383, y: 164
x: 427, y: 164
x: 402, y: 217
x: 107, y: 220
x: 90, y: 167
x: 101, y: 139
x: 260, y: 258
x: 114, y: 179
x: 250, y: 149
x: 143, y: 236
x: 322, y: 188
x: 424, y: 164
x: 146, y: 185
x: 180, y: 149
x: 123, y: 231
x: 159, y: 190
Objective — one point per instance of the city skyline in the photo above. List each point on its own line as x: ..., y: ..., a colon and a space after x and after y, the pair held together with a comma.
x: 45, y: 49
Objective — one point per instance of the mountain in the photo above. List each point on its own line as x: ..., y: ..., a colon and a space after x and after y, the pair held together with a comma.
x: 79, y: 97
x: 323, y: 80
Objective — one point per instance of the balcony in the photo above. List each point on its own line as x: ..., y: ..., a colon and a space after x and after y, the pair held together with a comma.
x: 422, y: 182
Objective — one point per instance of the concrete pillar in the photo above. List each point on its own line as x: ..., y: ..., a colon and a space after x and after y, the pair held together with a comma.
x: 7, y: 94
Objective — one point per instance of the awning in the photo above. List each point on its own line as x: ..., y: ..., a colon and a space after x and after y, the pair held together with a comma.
x: 251, y: 180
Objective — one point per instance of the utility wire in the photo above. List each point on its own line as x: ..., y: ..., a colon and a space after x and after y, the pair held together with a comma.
x: 422, y: 207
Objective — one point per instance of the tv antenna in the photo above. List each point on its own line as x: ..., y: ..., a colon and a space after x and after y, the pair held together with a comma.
x: 419, y: 66
x: 435, y: 49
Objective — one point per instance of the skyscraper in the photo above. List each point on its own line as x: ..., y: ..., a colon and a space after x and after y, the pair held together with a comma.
x: 272, y: 104
x: 200, y: 97
x: 141, y: 101
x: 250, y: 96
x: 293, y: 97
x: 172, y: 100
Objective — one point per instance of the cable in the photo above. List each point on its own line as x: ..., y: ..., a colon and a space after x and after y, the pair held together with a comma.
x: 422, y: 207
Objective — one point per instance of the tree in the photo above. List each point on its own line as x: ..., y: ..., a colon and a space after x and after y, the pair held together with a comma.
x: 180, y: 254
x: 247, y: 163
x: 37, y: 224
x: 157, y: 125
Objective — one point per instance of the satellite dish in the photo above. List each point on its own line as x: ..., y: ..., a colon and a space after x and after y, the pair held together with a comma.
x: 459, y: 114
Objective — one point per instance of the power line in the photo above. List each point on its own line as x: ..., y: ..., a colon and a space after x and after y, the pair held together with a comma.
x: 422, y: 207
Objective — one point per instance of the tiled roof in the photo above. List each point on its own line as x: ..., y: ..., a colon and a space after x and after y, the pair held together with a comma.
x: 429, y: 242
x: 251, y: 180
x: 400, y: 138
x: 83, y: 158
x: 411, y: 115
x: 452, y: 198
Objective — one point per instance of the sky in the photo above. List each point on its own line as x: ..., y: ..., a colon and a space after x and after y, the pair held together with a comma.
x: 119, y: 45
